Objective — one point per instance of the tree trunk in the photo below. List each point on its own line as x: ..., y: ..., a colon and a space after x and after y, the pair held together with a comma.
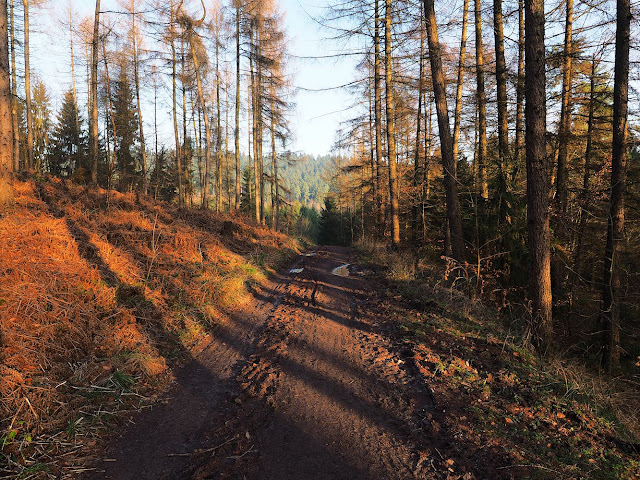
x: 178, y: 152
x: 207, y: 127
x: 378, y: 115
x: 6, y: 123
x: 391, y: 133
x: 93, y: 132
x: 503, y: 120
x: 460, y: 85
x: 237, y: 129
x: 275, y: 202
x: 454, y: 215
x: 143, y: 150
x: 588, y: 153
x: 517, y: 160
x: 615, y: 229
x: 565, y: 114
x: 186, y: 161
x: 481, y: 99
x: 254, y: 116
x: 416, y: 157
x: 537, y: 177
x: 73, y: 69
x: 112, y: 158
x: 14, y: 95
x: 219, y: 132
x: 27, y: 88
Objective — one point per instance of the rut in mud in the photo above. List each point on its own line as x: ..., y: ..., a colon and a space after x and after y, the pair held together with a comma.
x: 306, y: 382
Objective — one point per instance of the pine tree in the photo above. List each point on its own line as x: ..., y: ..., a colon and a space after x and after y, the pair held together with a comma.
x: 164, y: 179
x: 68, y: 154
x: 126, y: 120
x: 41, y: 118
x: 248, y: 191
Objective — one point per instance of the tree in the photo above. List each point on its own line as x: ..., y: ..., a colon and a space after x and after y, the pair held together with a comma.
x: 481, y: 99
x: 565, y: 113
x: 537, y: 176
x: 126, y: 124
x: 14, y: 93
x: 136, y: 77
x: 27, y: 87
x: 391, y: 134
x: 94, y: 147
x: 238, y: 186
x: 41, y: 121
x: 6, y: 123
x: 163, y: 177
x: 69, y: 147
x: 615, y: 223
x: 454, y: 215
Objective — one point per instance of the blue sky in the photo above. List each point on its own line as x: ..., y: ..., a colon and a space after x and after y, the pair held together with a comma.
x: 315, y: 119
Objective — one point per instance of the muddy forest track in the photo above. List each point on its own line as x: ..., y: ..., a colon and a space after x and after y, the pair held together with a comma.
x: 303, y: 383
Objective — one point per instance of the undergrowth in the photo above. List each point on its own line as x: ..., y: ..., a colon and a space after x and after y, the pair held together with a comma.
x: 99, y: 297
x: 543, y: 419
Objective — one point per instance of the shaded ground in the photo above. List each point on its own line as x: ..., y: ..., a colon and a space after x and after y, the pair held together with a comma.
x: 305, y: 384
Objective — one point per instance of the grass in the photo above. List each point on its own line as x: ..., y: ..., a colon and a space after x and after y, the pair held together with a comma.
x: 548, y: 419
x: 98, y: 302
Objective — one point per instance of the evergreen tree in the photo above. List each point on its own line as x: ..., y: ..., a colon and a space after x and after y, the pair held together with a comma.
x: 41, y: 117
x: 68, y: 154
x: 248, y: 191
x: 163, y: 180
x: 126, y: 120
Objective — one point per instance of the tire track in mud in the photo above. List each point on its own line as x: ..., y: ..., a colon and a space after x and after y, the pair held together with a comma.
x: 340, y: 403
x: 306, y: 384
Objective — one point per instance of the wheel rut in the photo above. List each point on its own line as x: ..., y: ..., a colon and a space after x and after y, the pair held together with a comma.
x: 306, y: 383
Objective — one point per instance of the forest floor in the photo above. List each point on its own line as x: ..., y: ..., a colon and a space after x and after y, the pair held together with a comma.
x: 143, y: 341
x: 329, y: 375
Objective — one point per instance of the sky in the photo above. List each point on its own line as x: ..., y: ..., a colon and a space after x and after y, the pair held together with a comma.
x: 317, y: 114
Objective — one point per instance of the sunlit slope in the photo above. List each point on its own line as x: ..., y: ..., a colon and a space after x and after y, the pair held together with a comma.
x: 99, y: 296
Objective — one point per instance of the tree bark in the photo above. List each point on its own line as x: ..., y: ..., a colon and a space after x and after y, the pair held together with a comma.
x: 391, y: 133
x: 143, y: 150
x: 254, y: 116
x: 238, y: 179
x: 219, y: 128
x: 275, y: 203
x: 615, y: 228
x: 111, y: 116
x: 73, y: 69
x: 207, y: 127
x: 416, y: 157
x: 481, y: 100
x: 586, y: 179
x: 460, y: 85
x: 537, y: 177
x: 519, y: 95
x: 6, y: 123
x: 14, y: 95
x: 178, y: 151
x: 503, y: 121
x: 454, y: 215
x: 378, y: 114
x: 565, y: 113
x: 95, y: 149
x: 27, y: 88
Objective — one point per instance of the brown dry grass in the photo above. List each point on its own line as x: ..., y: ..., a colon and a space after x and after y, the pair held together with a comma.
x: 96, y: 300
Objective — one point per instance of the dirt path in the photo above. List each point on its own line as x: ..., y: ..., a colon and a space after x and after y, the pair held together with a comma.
x: 305, y: 384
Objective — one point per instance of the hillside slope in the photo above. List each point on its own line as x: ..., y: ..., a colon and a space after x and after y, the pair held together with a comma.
x: 99, y: 297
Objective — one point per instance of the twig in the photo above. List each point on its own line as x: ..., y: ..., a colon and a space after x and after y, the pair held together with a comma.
x: 237, y: 457
x: 206, y: 450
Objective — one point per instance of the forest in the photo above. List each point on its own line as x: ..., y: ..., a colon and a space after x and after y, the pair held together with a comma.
x: 452, y: 292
